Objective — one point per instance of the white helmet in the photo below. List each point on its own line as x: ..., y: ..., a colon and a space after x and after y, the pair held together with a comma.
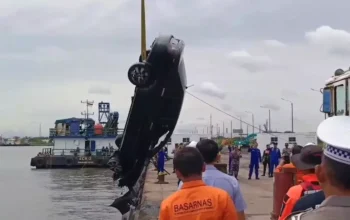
x: 310, y: 143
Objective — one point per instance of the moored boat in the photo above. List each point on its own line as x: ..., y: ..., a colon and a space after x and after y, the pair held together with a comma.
x: 80, y: 142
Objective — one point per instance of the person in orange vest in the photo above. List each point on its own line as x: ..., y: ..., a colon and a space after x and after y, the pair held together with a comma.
x: 309, y: 157
x: 333, y: 173
x: 195, y: 200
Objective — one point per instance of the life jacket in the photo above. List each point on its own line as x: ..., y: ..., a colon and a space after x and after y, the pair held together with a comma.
x: 299, y: 175
x: 308, y: 185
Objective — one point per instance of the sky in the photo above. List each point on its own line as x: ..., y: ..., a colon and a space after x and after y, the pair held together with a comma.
x: 240, y: 55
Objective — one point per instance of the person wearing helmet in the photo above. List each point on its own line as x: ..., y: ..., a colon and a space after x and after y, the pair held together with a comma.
x: 309, y: 157
x: 333, y: 173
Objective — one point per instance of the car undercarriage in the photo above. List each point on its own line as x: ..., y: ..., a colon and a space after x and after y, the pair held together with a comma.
x: 160, y: 84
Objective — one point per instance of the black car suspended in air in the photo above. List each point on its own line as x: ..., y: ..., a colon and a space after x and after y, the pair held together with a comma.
x: 160, y: 84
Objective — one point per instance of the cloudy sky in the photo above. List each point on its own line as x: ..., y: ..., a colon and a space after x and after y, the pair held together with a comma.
x: 239, y: 55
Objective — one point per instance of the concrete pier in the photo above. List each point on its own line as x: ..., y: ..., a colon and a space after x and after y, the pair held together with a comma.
x: 257, y: 193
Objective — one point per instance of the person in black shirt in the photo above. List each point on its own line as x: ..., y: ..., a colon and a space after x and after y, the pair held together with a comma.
x: 309, y: 201
x: 266, y: 159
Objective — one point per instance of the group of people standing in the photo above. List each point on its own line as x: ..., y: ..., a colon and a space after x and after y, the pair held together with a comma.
x: 272, y: 155
x: 323, y: 175
x: 204, y: 192
x: 322, y: 191
x: 269, y: 158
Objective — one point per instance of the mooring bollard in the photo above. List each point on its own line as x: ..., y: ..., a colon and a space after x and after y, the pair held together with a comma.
x: 161, y: 178
x: 281, y: 184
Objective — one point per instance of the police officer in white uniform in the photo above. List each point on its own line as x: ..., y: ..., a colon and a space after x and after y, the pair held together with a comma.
x: 334, y: 171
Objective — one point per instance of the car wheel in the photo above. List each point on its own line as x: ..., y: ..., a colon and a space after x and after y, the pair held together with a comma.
x: 139, y: 74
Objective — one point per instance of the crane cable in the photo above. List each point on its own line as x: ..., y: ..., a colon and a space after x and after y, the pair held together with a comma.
x: 144, y: 57
x: 228, y: 114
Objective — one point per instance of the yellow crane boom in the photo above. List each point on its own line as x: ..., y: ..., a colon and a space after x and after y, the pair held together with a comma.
x: 143, y: 31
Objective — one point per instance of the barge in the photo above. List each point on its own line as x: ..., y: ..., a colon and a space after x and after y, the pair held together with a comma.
x: 80, y: 142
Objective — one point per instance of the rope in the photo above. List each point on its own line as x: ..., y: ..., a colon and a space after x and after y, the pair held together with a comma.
x: 228, y: 114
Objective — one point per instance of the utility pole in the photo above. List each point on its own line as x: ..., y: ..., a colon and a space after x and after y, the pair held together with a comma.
x: 247, y: 130
x: 223, y: 129
x: 88, y: 104
x: 292, y: 116
x: 252, y: 119
x: 40, y: 130
x: 240, y: 125
x: 217, y: 130
x: 292, y: 110
x: 269, y: 131
x: 87, y: 114
x: 270, y: 120
x: 211, y: 127
x: 231, y: 129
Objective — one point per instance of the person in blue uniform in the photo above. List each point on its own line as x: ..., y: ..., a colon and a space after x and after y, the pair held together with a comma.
x: 275, y: 156
x: 161, y: 162
x: 255, y: 159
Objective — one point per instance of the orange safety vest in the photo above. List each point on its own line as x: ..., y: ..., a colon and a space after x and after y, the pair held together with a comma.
x: 309, y: 185
x: 299, y: 174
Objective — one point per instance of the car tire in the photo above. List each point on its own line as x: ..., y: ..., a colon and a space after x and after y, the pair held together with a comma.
x: 140, y: 75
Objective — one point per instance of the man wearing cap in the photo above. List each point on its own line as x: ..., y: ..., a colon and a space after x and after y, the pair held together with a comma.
x: 334, y: 171
x: 309, y: 157
x: 275, y: 156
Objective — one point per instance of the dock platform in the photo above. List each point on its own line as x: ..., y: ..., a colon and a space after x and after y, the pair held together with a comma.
x: 257, y: 193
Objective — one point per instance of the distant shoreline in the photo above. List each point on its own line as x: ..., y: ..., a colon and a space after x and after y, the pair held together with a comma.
x: 24, y: 145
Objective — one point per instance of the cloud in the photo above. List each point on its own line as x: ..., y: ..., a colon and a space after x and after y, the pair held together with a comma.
x: 54, y: 52
x: 211, y: 89
x: 226, y: 107
x: 251, y: 63
x: 200, y: 118
x: 289, y: 93
x: 336, y: 41
x: 274, y: 43
x: 98, y: 89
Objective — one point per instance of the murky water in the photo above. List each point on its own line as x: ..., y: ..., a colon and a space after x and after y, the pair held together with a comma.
x: 58, y: 194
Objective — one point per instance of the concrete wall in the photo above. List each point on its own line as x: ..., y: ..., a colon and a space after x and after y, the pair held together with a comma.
x: 301, y: 138
x: 179, y: 138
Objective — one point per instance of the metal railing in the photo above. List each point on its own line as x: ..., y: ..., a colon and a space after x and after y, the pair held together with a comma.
x: 74, y: 152
x: 90, y: 132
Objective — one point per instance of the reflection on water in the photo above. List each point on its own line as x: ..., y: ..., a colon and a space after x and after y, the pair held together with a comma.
x: 57, y: 194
